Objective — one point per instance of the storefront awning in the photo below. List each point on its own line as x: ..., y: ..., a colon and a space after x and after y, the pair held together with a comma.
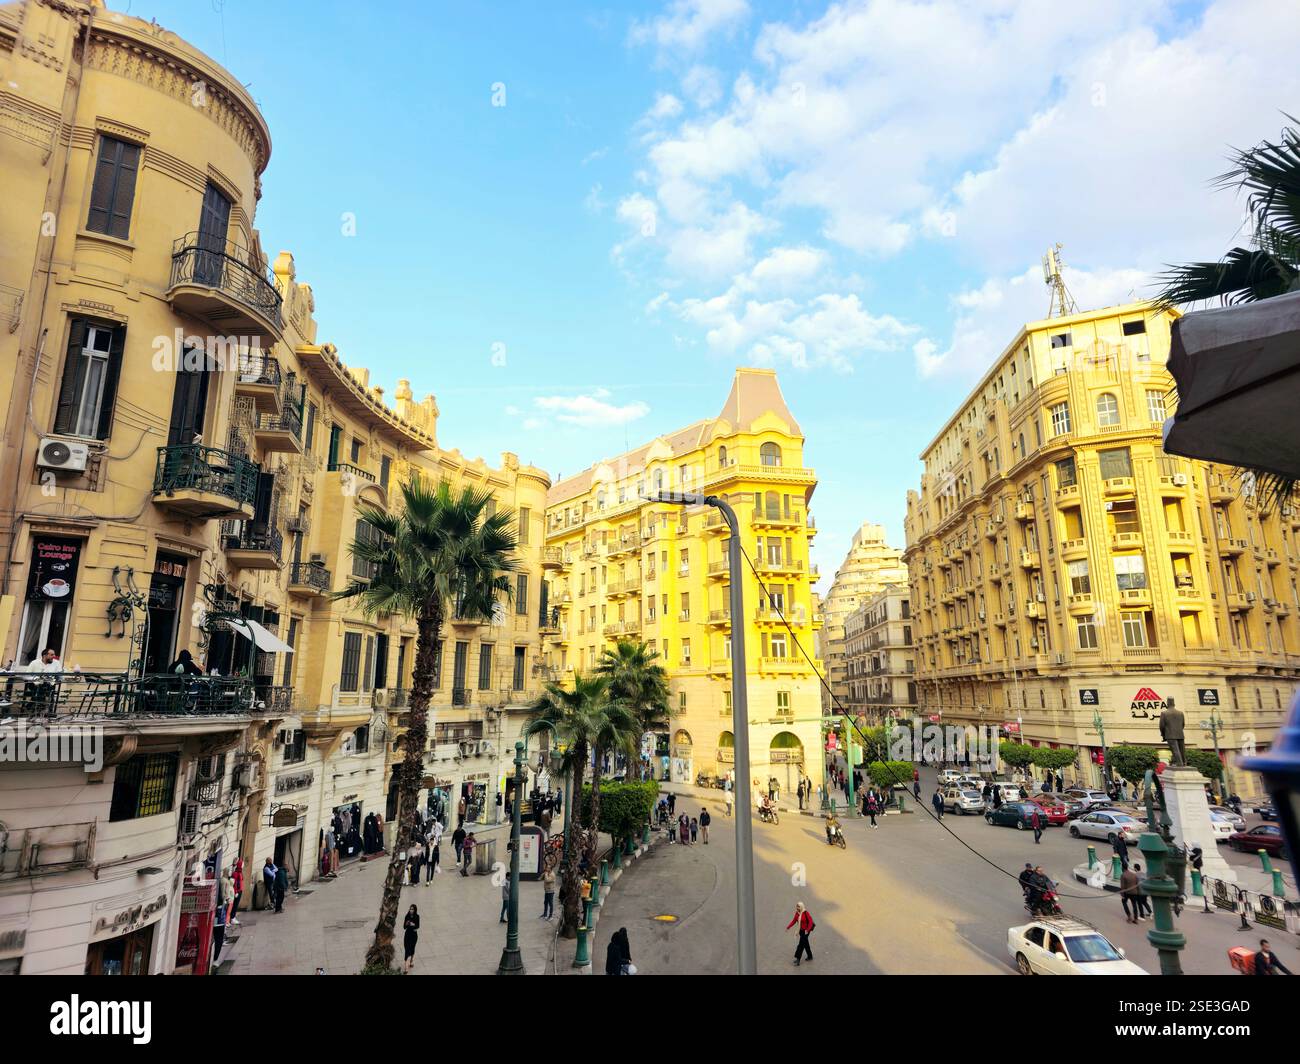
x: 1238, y: 375
x: 258, y: 635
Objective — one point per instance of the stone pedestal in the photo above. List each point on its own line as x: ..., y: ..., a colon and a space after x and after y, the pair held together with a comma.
x: 1189, y: 809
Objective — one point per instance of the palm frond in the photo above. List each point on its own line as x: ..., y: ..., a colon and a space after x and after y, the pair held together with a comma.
x: 1269, y: 174
x: 1242, y: 276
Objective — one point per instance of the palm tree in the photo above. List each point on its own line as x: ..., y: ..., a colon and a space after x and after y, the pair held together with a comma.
x: 444, y: 547
x: 585, y: 721
x: 1269, y: 174
x: 637, y: 680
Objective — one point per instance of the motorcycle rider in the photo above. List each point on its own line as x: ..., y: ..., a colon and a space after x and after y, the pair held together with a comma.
x: 1027, y: 885
x: 832, y: 828
x: 1040, y: 886
x: 765, y: 808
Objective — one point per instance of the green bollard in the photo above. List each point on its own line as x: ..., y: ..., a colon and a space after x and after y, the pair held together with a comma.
x: 645, y: 835
x: 604, y: 871
x: 582, y: 958
x: 1198, y: 888
x: 629, y: 846
x: 902, y: 807
x: 1092, y: 857
x: 832, y: 807
x: 1279, y: 891
x: 1265, y: 863
x: 595, y: 893
x: 618, y: 856
x: 1115, y: 867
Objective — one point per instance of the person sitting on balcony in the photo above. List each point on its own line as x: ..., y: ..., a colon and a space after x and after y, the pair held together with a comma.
x: 47, y: 662
x: 184, y: 665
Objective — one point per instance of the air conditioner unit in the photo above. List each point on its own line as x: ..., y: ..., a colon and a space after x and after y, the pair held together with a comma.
x: 1040, y: 597
x: 1060, y: 659
x: 486, y: 747
x: 1179, y: 480
x: 284, y: 737
x: 1110, y: 506
x: 246, y: 777
x: 981, y: 615
x: 316, y: 559
x: 1250, y: 596
x: 1033, y: 643
x: 1000, y: 518
x: 189, y: 819
x: 205, y: 770
x: 63, y: 456
x: 1184, y: 579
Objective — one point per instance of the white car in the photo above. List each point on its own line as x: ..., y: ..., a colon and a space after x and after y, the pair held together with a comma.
x: 1222, y: 827
x: 1107, y: 824
x: 963, y: 800
x: 948, y: 777
x: 1237, y: 821
x: 1062, y: 945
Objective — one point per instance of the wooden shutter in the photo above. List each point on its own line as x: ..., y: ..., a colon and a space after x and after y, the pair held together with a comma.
x: 119, y: 224
x: 74, y: 378
x: 111, y: 372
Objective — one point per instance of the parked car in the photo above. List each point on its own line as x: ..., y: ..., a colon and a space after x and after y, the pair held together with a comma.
x: 1237, y: 821
x: 963, y: 800
x: 1087, y: 798
x: 1101, y: 824
x: 1013, y: 815
x: 1054, y: 810
x: 949, y: 777
x: 1266, y: 837
x: 1063, y: 945
x: 1268, y: 812
x: 971, y: 779
x: 1222, y: 827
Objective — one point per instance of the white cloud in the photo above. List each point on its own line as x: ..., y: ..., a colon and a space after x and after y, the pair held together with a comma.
x: 688, y: 24
x: 719, y: 247
x: 703, y: 85
x: 592, y: 156
x: 783, y: 268
x: 592, y: 200
x: 592, y: 410
x: 666, y: 106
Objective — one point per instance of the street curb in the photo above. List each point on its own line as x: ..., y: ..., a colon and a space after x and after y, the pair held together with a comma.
x: 604, y: 893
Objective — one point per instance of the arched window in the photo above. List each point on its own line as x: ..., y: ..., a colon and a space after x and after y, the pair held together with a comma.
x: 722, y: 457
x: 770, y: 454
x: 772, y: 505
x: 659, y: 481
x: 600, y: 499
x: 1107, y: 409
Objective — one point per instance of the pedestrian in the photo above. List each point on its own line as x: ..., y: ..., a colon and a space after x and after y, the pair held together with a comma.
x: 705, y: 821
x: 618, y: 954
x: 672, y: 804
x: 237, y: 884
x: 467, y: 853
x: 1128, y: 893
x: 410, y: 935
x: 805, y: 922
x: 684, y: 830
x: 414, y: 859
x: 1142, y: 901
x: 1121, y: 851
x: 799, y: 792
x: 1266, y: 962
x: 458, y: 841
x: 460, y: 817
x: 997, y: 797
x: 1036, y: 822
x: 916, y: 789
x: 268, y: 883
x: 505, y: 899
x: 936, y: 800
x: 869, y: 807
x: 281, y: 887
x: 727, y: 801
x: 695, y: 830
x: 548, y: 895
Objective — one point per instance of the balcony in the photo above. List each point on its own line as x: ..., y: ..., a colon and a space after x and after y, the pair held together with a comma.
x: 259, y: 380
x: 1232, y: 547
x: 1126, y: 541
x: 773, y: 473
x: 771, y: 664
x: 1029, y: 559
x: 1082, y: 604
x: 222, y: 283
x: 1180, y: 542
x: 309, y: 579
x: 1187, y: 594
x: 1035, y: 610
x: 461, y: 696
x: 720, y: 570
x: 720, y: 618
x: 1067, y: 495
x: 995, y: 573
x: 781, y: 565
x: 1173, y: 484
x: 554, y: 560
x: 1271, y: 557
x: 1240, y: 602
x: 200, y: 482
x: 251, y: 545
x: 1134, y: 597
x: 625, y: 545
x: 96, y: 696
x: 768, y: 518
x: 630, y: 586
x: 347, y: 469
x: 1118, y: 486
x: 1222, y: 491
x: 1024, y: 511
x: 1074, y: 548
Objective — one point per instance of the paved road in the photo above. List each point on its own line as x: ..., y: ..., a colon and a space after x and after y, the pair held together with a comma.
x: 907, y: 897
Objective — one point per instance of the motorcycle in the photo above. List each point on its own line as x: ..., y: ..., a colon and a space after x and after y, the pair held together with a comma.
x: 837, y: 837
x: 768, y: 816
x: 1042, y: 903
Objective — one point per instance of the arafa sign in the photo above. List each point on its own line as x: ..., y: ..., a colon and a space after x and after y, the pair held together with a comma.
x: 1147, y: 705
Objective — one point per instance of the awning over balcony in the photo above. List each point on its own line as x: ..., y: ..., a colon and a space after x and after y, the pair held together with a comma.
x: 1238, y: 375
x: 259, y: 636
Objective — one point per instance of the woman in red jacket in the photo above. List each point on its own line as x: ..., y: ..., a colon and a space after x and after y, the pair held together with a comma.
x: 805, y: 921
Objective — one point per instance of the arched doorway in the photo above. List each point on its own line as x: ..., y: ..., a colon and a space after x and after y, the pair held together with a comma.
x: 683, y: 765
x: 726, y: 753
x: 786, y: 757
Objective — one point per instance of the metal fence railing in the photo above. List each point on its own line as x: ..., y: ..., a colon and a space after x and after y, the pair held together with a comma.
x: 91, y: 694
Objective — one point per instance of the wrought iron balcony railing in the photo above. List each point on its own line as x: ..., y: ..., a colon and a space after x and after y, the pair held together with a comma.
x: 88, y: 695
x: 252, y: 535
x: 230, y: 269
x: 309, y: 574
x: 348, y: 467
x: 259, y: 369
x: 193, y: 467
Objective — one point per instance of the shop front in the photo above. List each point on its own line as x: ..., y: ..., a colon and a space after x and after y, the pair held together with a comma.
x: 478, y: 799
x: 438, y: 803
x: 122, y: 933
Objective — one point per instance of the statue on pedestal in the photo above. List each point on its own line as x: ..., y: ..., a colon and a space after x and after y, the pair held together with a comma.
x: 1171, y: 731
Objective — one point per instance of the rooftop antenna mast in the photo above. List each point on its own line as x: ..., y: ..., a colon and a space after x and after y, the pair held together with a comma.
x: 1062, y: 303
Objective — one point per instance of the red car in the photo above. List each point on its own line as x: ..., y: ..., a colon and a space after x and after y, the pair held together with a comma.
x: 1266, y: 837
x: 1054, y: 811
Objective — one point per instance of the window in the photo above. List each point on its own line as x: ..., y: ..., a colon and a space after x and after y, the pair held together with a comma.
x: 525, y: 518
x: 1062, y: 340
x: 144, y: 785
x: 1080, y: 581
x: 368, y: 672
x: 1130, y: 572
x: 1107, y: 410
x: 1141, y: 345
x: 521, y: 594
x: 778, y: 645
x: 1115, y: 463
x: 437, y: 664
x: 1135, y: 629
x: 1060, y: 414
x: 770, y: 454
x: 369, y: 535
x: 1156, y: 405
x: 89, y: 383
x: 385, y: 470
x: 518, y: 679
x: 485, y: 667
x: 1066, y: 474
x: 1086, y: 629
x: 360, y: 741
x: 356, y: 452
x: 295, y: 750
x: 722, y: 456
x: 311, y: 427
x: 113, y: 191
x: 783, y: 703
x: 350, y: 674
x: 686, y: 653
x: 681, y: 701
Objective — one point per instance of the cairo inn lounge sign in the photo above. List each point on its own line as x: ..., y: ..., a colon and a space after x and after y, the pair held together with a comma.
x: 1147, y: 705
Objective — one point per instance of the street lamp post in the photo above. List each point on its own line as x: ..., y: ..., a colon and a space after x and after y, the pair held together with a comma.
x: 1105, y: 754
x: 1214, y: 725
x: 512, y: 961
x: 746, y: 933
x: 1166, y: 867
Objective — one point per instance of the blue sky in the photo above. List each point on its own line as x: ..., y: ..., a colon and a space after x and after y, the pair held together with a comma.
x: 855, y: 194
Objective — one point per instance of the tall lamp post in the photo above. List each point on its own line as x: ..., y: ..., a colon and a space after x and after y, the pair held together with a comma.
x: 512, y: 961
x: 1214, y: 725
x: 746, y: 933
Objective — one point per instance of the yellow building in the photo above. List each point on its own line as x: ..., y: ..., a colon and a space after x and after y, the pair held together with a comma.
x: 183, y: 461
x: 870, y: 565
x: 1062, y: 566
x: 625, y: 568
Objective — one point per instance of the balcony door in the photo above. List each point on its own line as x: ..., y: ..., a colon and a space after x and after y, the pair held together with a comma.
x: 166, y: 589
x: 189, y: 401
x: 214, y: 223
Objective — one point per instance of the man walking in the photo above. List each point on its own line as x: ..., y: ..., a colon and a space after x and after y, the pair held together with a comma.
x: 1121, y: 851
x: 548, y: 895
x: 1266, y: 962
x: 672, y: 804
x: 1128, y: 887
x: 805, y: 921
x: 936, y: 800
x: 467, y: 853
x: 458, y: 842
x: 1140, y: 902
x: 799, y: 791
x: 1036, y: 822
x: 727, y: 798
x: 705, y: 821
x: 916, y: 789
